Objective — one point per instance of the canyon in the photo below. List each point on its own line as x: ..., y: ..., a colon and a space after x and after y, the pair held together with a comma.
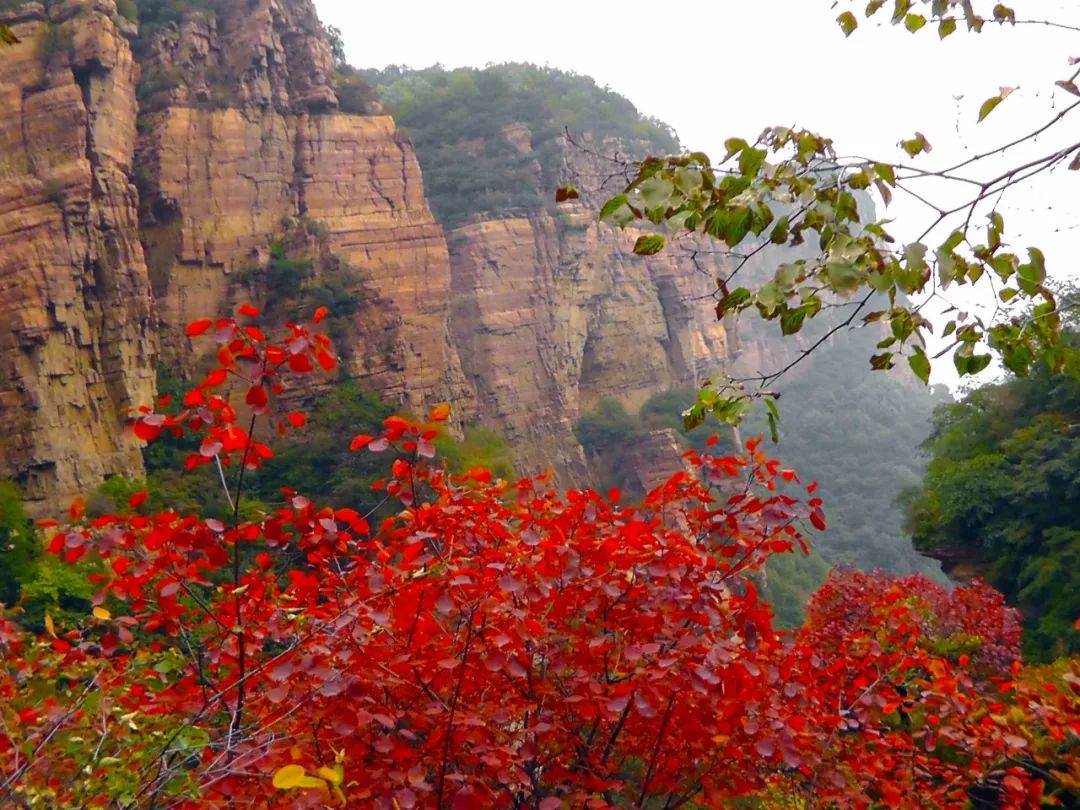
x: 151, y: 177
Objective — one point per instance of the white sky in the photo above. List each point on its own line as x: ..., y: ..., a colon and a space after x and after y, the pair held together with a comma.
x: 725, y: 68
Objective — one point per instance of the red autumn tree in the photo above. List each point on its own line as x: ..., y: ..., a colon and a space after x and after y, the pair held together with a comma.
x: 502, y: 644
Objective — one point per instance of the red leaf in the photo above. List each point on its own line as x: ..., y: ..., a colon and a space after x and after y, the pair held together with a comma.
x: 326, y: 360
x: 300, y: 363
x: 256, y: 397
x: 817, y: 518
x: 248, y: 310
x: 360, y: 441
x: 216, y: 377
x: 136, y: 500
x: 320, y: 314
x: 145, y: 431
x: 196, y: 328
x: 297, y: 419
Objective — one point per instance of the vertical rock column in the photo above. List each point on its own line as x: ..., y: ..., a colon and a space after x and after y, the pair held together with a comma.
x: 77, y: 342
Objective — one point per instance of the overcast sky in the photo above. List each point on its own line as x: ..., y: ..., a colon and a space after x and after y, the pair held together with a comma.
x: 717, y: 69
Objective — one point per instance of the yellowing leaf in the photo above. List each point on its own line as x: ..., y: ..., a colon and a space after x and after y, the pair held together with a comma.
x: 101, y: 613
x: 313, y: 782
x: 992, y: 102
x: 289, y: 776
x: 331, y: 775
x: 49, y: 626
x: 848, y: 23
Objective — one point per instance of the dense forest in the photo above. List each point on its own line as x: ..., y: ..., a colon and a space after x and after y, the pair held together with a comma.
x: 457, y: 120
x: 1001, y: 499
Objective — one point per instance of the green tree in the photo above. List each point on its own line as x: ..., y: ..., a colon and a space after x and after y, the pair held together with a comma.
x: 19, y: 547
x: 1001, y: 498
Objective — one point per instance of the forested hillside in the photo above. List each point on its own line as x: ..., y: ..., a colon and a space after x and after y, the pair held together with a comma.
x: 482, y: 134
x: 1001, y: 500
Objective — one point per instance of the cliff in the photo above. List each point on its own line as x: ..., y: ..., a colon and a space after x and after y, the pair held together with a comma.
x: 77, y: 326
x: 240, y: 140
x: 203, y: 161
x: 552, y: 313
x: 148, y: 174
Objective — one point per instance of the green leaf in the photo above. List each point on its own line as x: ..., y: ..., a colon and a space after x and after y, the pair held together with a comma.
x: 733, y: 300
x: 734, y: 146
x: 913, y: 22
x: 848, y: 23
x: 791, y: 321
x: 774, y: 434
x: 751, y: 160
x: 843, y: 277
x: 953, y: 242
x: 656, y: 191
x: 649, y: 244
x: 989, y: 105
x: 779, y: 232
x: 613, y: 205
x: 886, y: 173
x: 946, y: 27
x: 920, y: 364
x: 1031, y: 276
x: 914, y: 146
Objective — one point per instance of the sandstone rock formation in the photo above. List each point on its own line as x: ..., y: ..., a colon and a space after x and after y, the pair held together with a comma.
x: 139, y: 193
x: 553, y: 313
x: 77, y: 332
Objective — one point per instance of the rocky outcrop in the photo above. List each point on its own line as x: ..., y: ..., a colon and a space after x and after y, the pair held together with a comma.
x: 552, y: 313
x: 136, y: 201
x: 77, y: 337
x: 224, y: 181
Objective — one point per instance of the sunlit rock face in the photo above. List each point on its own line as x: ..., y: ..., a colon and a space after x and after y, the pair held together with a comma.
x: 77, y: 326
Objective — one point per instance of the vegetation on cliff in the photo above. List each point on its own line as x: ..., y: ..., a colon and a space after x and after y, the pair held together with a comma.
x: 489, y: 140
x: 1001, y: 498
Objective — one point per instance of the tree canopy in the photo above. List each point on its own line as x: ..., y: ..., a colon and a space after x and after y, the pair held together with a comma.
x: 457, y: 120
x: 1001, y: 498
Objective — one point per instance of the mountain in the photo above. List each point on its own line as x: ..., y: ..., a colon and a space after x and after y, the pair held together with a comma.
x: 215, y: 151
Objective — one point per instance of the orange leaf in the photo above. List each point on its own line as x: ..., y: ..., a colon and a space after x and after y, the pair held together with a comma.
x: 77, y: 509
x: 440, y: 413
x: 320, y: 314
x: 196, y: 328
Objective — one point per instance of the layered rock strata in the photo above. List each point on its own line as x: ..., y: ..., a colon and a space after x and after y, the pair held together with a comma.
x: 77, y: 330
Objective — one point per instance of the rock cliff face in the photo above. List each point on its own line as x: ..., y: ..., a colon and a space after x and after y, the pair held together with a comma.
x: 551, y: 314
x: 151, y: 177
x: 218, y: 184
x: 77, y: 331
